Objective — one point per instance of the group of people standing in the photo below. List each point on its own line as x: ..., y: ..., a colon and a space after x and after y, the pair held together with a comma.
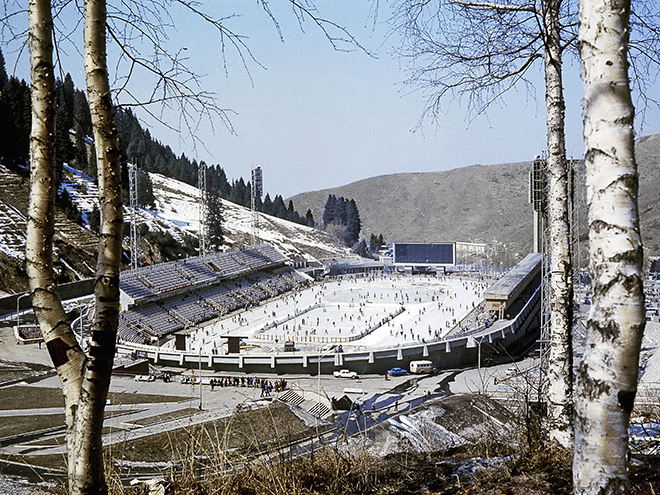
x: 243, y: 381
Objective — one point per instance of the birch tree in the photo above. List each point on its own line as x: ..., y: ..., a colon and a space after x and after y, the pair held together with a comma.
x: 480, y: 50
x: 85, y: 379
x: 606, y: 381
x: 560, y: 362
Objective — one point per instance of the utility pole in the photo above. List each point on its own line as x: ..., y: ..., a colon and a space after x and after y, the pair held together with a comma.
x: 203, y: 209
x: 256, y: 190
x: 133, y: 203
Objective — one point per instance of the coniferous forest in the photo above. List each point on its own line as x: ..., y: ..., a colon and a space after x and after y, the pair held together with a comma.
x: 74, y: 146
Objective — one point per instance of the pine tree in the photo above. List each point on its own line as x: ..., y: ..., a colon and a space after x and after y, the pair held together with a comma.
x: 145, y: 189
x: 329, y: 209
x: 215, y: 220
x: 353, y: 222
x: 361, y: 249
x: 3, y: 72
x: 15, y: 126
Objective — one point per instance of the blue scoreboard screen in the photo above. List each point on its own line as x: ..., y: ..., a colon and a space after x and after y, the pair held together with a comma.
x: 414, y: 253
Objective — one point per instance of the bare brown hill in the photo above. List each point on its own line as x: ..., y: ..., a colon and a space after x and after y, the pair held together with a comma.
x: 480, y: 203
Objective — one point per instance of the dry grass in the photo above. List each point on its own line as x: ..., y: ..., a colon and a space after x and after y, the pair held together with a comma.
x: 25, y: 397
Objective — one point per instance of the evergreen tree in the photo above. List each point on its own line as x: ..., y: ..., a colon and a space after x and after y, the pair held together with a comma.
x: 343, y: 212
x: 3, y: 71
x: 238, y: 189
x: 373, y: 243
x: 15, y: 109
x: 95, y: 219
x: 329, y: 209
x: 247, y: 198
x: 64, y: 149
x: 216, y: 181
x: 310, y: 218
x: 353, y: 223
x: 82, y: 125
x: 361, y: 249
x: 215, y: 220
x: 145, y: 189
x: 267, y: 206
x: 280, y: 209
x: 341, y: 217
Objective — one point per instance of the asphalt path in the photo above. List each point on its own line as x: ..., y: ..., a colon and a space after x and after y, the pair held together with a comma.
x: 387, y: 396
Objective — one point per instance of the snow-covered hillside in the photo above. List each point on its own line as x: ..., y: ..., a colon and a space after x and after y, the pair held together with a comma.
x: 177, y: 212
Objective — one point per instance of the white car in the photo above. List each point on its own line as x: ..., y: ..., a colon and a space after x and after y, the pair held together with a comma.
x: 345, y: 374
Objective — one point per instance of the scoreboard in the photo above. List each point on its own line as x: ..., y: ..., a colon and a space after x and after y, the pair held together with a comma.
x: 424, y: 253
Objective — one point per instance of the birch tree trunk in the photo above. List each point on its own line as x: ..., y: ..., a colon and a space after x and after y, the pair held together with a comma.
x: 60, y: 341
x: 86, y: 474
x: 560, y: 366
x: 85, y: 380
x: 606, y: 381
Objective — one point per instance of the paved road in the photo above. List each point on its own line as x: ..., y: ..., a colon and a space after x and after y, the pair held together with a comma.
x: 389, y: 397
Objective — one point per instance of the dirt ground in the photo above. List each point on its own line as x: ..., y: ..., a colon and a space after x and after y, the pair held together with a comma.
x: 465, y: 445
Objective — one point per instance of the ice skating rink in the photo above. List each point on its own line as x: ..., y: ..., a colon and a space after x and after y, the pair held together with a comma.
x: 358, y: 312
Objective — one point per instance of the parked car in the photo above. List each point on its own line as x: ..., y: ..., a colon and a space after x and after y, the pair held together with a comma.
x: 396, y: 372
x: 345, y: 374
x: 290, y: 346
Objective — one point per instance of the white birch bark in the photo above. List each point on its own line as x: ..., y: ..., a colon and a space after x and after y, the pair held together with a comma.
x: 86, y: 474
x: 85, y: 381
x: 606, y: 381
x: 60, y: 341
x: 560, y: 372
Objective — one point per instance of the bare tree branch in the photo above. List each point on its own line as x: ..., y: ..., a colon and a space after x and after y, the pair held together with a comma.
x: 498, y: 6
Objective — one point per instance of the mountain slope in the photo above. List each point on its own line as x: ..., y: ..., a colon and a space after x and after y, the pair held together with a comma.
x: 481, y: 203
x: 175, y: 213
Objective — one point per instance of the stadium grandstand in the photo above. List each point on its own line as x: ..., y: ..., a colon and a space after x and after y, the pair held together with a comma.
x: 351, y: 265
x: 159, y: 300
x: 514, y: 288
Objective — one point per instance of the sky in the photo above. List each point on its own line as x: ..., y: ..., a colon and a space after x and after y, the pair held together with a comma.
x: 314, y: 117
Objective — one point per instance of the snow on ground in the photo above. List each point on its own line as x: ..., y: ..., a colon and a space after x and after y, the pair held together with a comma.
x: 350, y: 310
x: 649, y: 358
x: 177, y: 211
x: 82, y: 189
x: 12, y: 231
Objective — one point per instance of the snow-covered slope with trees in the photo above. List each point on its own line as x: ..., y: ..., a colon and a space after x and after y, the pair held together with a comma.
x: 176, y: 212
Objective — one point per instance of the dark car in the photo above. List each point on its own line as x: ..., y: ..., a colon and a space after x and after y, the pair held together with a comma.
x: 290, y: 346
x: 396, y: 372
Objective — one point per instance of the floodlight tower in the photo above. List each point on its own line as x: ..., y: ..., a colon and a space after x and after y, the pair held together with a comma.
x: 203, y: 209
x: 133, y: 203
x: 256, y: 191
x: 538, y: 197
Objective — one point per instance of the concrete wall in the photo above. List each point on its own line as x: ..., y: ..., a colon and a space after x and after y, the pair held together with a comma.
x: 71, y: 290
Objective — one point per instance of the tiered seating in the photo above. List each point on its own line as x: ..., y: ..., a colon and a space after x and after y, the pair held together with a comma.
x: 164, y: 278
x: 156, y: 319
x: 159, y: 280
x: 252, y: 259
x: 270, y: 253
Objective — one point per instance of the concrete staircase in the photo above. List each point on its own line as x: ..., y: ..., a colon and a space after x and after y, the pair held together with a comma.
x: 320, y: 409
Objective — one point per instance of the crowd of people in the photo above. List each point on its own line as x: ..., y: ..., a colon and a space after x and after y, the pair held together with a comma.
x: 247, y: 381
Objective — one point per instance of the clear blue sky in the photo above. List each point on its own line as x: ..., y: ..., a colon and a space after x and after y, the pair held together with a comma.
x: 315, y: 117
